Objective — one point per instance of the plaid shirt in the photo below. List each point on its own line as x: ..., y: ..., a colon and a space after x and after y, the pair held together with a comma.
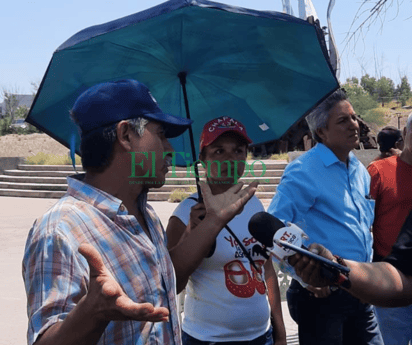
x: 56, y: 276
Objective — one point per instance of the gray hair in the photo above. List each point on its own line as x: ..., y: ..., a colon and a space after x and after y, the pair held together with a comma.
x: 138, y: 124
x: 318, y: 118
x: 409, y: 122
x: 97, y: 146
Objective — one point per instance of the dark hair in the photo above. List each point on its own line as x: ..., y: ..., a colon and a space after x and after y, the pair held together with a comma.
x: 318, y: 118
x: 388, y: 137
x: 96, y: 147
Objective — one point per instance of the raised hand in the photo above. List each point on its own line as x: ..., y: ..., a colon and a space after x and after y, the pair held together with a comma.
x: 107, y: 299
x: 197, y: 213
x: 228, y: 204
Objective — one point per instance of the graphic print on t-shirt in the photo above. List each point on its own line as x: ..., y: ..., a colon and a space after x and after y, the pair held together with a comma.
x: 240, y: 282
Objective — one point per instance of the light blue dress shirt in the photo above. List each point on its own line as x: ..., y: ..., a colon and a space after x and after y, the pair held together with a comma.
x: 329, y: 201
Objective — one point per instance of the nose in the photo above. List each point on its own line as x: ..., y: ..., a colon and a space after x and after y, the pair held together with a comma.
x: 354, y: 123
x: 231, y: 157
x: 167, y: 146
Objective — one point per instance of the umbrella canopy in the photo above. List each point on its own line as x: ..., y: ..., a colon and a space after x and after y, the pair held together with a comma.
x: 266, y: 69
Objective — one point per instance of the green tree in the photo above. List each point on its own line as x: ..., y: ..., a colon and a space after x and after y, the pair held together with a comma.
x: 385, y: 90
x: 353, y: 80
x: 360, y: 99
x: 11, y: 104
x: 369, y: 84
x: 403, y: 91
x: 5, y: 123
x: 21, y: 112
x: 376, y: 116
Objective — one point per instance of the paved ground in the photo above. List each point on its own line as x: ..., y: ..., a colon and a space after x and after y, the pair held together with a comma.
x: 17, y: 216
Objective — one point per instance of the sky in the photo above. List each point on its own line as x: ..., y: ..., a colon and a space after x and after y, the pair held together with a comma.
x: 32, y: 29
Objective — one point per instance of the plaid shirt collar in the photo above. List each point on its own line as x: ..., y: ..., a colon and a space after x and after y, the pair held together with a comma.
x: 103, y: 201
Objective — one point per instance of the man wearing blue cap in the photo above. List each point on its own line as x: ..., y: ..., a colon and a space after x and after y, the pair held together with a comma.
x: 121, y: 289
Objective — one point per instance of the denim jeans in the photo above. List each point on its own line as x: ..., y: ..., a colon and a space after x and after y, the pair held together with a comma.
x: 339, y: 319
x: 395, y: 325
x: 265, y: 339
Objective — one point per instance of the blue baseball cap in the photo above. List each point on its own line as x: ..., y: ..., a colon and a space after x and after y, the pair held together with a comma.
x: 110, y: 102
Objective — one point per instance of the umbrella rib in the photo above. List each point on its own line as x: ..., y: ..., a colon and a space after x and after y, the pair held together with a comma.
x: 311, y: 77
x: 143, y: 52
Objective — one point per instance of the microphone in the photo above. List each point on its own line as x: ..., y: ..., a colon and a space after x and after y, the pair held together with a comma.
x: 283, y: 240
x: 270, y: 231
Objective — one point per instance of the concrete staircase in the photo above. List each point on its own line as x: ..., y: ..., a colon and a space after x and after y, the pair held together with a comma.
x: 49, y: 181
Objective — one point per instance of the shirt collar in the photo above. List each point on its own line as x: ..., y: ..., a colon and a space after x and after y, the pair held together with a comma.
x: 104, y: 202
x: 328, y: 157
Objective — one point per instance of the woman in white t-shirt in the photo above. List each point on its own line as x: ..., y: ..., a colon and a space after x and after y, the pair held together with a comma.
x: 229, y: 298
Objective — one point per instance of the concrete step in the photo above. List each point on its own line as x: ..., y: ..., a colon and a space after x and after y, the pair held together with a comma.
x: 152, y: 196
x: 183, y: 182
x: 31, y: 193
x: 252, y: 164
x: 164, y: 196
x: 170, y: 174
x: 39, y: 173
x: 191, y: 188
x: 202, y: 173
x: 32, y: 179
x: 27, y: 193
x: 192, y: 181
x: 49, y: 167
x: 33, y: 186
x: 41, y: 181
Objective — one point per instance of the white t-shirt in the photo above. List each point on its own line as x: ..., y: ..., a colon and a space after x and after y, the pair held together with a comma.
x: 225, y: 300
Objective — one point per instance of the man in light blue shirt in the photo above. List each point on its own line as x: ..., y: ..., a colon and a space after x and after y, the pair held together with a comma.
x: 329, y: 201
x: 326, y: 192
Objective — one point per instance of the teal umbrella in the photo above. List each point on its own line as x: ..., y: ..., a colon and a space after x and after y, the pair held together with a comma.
x: 200, y: 59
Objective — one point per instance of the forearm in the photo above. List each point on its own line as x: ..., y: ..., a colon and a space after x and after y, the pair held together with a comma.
x: 275, y: 302
x: 80, y: 327
x: 188, y: 254
x: 379, y: 283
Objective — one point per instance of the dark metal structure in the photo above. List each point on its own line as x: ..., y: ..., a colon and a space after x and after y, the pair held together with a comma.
x: 299, y: 138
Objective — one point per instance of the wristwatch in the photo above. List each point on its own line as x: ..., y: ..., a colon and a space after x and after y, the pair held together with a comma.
x: 342, y: 279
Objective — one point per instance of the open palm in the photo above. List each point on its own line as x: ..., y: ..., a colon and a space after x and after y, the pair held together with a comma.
x: 107, y: 297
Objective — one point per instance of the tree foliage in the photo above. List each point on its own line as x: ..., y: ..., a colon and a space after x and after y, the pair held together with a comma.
x: 369, y: 84
x: 385, y: 88
x: 403, y: 91
x: 366, y: 94
x: 21, y: 112
x: 353, y: 80
x: 11, y: 103
x: 360, y: 99
x: 376, y: 116
x: 14, y: 111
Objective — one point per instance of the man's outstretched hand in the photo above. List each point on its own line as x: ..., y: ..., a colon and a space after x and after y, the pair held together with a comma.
x: 107, y: 299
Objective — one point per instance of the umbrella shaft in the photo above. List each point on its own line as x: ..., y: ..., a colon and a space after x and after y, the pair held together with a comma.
x: 182, y: 78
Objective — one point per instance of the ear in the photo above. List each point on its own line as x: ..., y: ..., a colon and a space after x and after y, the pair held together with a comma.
x: 123, y: 132
x: 321, y: 133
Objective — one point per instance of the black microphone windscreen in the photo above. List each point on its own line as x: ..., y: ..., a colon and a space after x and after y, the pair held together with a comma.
x: 263, y: 226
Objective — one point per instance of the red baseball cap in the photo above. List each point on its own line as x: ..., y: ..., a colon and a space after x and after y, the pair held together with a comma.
x: 216, y: 127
